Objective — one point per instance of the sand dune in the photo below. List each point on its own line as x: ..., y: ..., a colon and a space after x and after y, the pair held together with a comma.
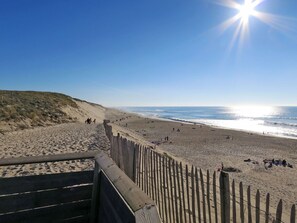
x: 29, y: 109
x: 85, y: 110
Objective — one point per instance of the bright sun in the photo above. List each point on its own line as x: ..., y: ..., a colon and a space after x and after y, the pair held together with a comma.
x: 246, y: 10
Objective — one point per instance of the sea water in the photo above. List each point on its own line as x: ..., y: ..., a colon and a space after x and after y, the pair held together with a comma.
x: 276, y: 121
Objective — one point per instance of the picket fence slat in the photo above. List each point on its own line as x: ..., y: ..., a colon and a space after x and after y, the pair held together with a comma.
x: 193, y: 195
x: 267, y: 208
x: 241, y: 202
x: 249, y: 205
x: 233, y: 202
x: 183, y: 190
x: 175, y: 191
x: 188, y: 194
x: 278, y: 218
x: 208, y: 196
x: 164, y: 188
x: 215, y: 196
x: 198, y: 194
x: 258, y: 206
x: 293, y: 214
x: 203, y: 196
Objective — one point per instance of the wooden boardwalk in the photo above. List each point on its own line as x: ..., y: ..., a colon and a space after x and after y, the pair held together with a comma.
x: 105, y: 194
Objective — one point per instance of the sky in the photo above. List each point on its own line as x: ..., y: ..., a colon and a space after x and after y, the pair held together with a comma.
x: 149, y: 52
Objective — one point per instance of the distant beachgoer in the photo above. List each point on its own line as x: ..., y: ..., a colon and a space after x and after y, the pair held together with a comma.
x: 94, y: 121
x: 222, y: 166
x: 178, y: 130
x: 173, y: 129
x: 284, y: 163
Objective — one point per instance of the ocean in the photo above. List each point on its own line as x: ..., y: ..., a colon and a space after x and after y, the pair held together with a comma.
x: 276, y: 121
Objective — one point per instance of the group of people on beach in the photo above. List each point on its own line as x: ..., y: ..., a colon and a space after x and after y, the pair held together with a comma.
x: 178, y: 130
x: 279, y: 162
x: 90, y: 121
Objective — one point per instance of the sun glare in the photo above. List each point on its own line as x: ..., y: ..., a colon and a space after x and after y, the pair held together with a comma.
x: 244, y: 11
x: 253, y: 111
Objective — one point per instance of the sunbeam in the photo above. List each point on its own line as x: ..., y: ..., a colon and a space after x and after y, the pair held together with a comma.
x: 241, y: 19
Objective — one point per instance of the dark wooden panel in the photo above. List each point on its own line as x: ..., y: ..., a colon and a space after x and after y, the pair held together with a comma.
x: 112, y: 207
x: 17, y: 202
x: 43, y: 182
x: 79, y: 219
x: 48, y: 158
x: 49, y: 214
x: 126, y: 187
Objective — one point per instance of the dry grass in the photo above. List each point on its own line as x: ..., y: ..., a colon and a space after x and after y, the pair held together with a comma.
x: 29, y: 109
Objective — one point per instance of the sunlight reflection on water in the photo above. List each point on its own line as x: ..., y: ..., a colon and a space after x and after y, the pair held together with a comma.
x: 254, y: 111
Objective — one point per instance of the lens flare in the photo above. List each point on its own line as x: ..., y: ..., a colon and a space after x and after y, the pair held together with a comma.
x: 249, y: 9
x: 246, y: 10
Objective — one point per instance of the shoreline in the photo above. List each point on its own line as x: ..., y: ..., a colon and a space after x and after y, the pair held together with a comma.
x: 205, y: 124
x: 206, y: 147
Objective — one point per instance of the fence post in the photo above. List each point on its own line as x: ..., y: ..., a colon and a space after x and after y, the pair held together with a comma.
x: 258, y: 207
x: 241, y: 202
x: 267, y: 208
x: 233, y: 202
x: 293, y: 214
x: 135, y: 161
x: 203, y: 196
x: 95, y: 194
x: 208, y: 196
x: 279, y: 211
x: 215, y: 196
x: 225, y: 197
x: 249, y: 204
x: 118, y: 149
x: 198, y: 194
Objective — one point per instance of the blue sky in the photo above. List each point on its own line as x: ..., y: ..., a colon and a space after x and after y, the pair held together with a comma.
x: 147, y: 52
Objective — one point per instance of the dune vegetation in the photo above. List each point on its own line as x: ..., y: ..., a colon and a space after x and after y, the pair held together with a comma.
x: 23, y: 109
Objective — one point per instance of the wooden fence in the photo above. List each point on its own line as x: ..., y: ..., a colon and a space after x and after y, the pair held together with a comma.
x: 187, y: 194
x: 116, y: 199
x: 105, y: 195
x: 63, y: 197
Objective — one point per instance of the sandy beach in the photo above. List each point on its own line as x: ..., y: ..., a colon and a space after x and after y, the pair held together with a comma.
x: 64, y: 138
x: 207, y: 147
x: 202, y: 146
